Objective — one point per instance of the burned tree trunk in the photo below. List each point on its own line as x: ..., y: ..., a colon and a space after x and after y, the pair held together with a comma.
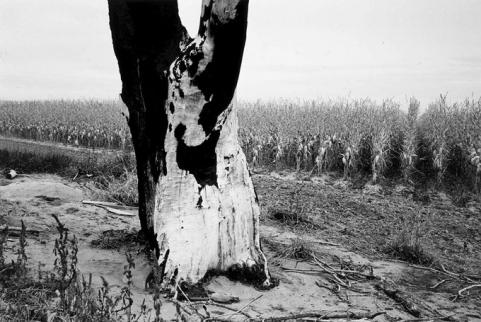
x: 146, y: 36
x: 196, y: 199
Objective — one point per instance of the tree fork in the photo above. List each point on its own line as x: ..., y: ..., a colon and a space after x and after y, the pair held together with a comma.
x: 197, y: 202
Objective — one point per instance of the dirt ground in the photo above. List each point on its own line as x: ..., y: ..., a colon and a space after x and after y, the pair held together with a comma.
x: 348, y: 228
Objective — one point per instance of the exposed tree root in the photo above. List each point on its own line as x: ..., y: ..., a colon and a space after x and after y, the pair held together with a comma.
x: 395, y: 294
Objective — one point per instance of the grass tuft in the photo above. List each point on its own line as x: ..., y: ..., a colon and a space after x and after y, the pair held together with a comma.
x: 408, y: 245
x: 297, y: 249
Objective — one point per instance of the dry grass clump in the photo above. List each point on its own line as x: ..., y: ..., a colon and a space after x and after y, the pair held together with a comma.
x: 408, y: 243
x: 292, y: 219
x: 297, y: 249
x: 122, y: 189
x: 115, y: 239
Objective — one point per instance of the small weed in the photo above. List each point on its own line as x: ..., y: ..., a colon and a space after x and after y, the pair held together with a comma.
x: 3, y: 239
x: 21, y: 263
x: 65, y: 265
x: 62, y: 294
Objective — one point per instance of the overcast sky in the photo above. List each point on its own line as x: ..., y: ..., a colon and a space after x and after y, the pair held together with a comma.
x: 295, y: 49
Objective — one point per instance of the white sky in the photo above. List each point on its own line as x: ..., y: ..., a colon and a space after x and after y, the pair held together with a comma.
x: 295, y: 49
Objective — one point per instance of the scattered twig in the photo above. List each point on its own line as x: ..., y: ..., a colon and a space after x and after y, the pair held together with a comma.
x: 338, y: 271
x: 433, y: 318
x: 14, y: 231
x: 206, y: 299
x: 321, y: 262
x: 336, y: 293
x: 325, y: 316
x: 444, y: 271
x: 326, y: 243
x: 328, y: 269
x: 188, y: 301
x: 438, y: 284
x: 113, y: 207
x: 461, y: 291
x: 241, y: 309
x: 448, y: 272
x: 289, y: 269
x: 99, y: 203
x: 223, y: 298
x: 224, y: 307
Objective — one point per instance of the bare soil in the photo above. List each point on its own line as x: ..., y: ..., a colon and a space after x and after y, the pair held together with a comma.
x: 346, y: 227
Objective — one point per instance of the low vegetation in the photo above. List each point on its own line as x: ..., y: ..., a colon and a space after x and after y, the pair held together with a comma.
x: 63, y: 293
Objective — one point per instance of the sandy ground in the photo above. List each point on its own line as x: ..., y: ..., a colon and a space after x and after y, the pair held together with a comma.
x: 303, y: 287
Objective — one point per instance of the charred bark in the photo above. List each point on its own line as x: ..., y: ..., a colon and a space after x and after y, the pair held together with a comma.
x: 197, y: 200
x: 146, y: 36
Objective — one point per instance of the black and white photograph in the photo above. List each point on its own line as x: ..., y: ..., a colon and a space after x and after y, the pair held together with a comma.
x: 240, y: 160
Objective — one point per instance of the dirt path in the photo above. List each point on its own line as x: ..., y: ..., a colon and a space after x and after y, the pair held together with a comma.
x: 33, y: 146
x: 303, y: 286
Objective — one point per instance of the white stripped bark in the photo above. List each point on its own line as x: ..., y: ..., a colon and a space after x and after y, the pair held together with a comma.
x: 207, y: 215
x: 213, y: 227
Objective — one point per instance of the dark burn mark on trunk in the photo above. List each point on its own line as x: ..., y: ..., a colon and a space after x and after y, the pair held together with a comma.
x: 219, y: 79
x: 163, y: 264
x: 188, y: 61
x: 196, y: 58
x: 204, y: 20
x: 154, y: 89
x: 201, y: 160
x: 199, y: 202
x: 228, y: 159
x: 173, y: 279
x: 256, y: 196
x: 181, y: 92
x: 172, y: 107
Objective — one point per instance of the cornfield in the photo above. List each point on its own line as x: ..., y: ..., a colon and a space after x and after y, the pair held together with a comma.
x: 89, y: 124
x: 347, y: 136
x: 452, y: 134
